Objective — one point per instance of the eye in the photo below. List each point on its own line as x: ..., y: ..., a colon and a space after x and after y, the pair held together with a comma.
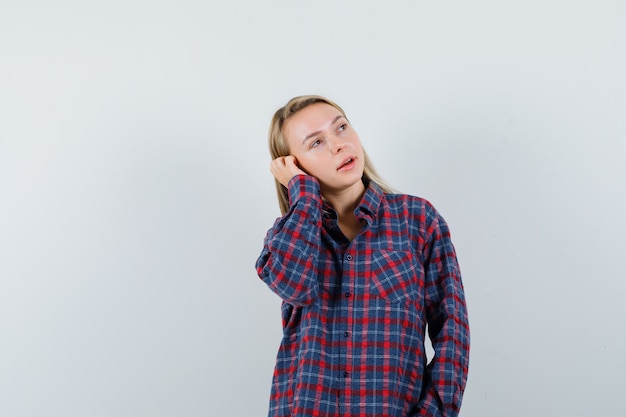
x: 315, y: 143
x: 342, y: 126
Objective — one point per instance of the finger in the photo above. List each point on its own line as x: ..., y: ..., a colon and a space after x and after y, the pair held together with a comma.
x: 278, y: 167
x: 291, y: 162
x: 273, y: 166
x: 289, y: 159
x: 277, y: 163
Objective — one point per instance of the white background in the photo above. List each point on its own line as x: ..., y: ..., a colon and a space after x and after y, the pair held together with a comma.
x: 135, y: 190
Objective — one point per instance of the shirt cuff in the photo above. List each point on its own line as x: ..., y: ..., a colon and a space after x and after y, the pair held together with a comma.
x: 303, y: 186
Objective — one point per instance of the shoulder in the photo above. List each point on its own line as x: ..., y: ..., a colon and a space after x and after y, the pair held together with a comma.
x: 411, y: 205
x: 417, y: 215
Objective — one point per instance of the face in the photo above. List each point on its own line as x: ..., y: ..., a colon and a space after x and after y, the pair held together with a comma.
x: 326, y: 147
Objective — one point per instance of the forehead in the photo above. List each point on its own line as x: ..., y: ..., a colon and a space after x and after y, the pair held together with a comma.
x: 312, y: 118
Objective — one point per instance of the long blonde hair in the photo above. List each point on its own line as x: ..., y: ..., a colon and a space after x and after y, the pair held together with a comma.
x: 278, y: 144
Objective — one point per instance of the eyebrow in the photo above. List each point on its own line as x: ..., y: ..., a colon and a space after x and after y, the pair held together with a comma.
x: 319, y: 131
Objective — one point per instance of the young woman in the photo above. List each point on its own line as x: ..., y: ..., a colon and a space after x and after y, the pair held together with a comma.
x: 362, y: 272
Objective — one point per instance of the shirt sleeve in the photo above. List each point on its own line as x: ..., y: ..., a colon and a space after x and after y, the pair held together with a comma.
x: 288, y: 261
x: 448, y: 325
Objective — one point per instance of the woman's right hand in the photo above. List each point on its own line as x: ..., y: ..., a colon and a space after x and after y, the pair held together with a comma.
x: 284, y: 168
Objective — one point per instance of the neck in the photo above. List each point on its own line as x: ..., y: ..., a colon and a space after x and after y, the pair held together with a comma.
x: 345, y: 201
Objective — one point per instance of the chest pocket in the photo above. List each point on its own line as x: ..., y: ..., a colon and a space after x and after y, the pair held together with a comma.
x: 394, y: 276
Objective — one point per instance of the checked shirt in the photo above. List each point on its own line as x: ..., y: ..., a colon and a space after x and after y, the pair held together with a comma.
x: 355, y: 313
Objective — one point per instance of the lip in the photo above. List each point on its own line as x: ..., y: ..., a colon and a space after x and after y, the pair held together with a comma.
x: 347, y: 163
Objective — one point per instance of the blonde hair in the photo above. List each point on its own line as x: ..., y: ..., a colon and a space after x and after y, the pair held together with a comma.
x: 278, y: 144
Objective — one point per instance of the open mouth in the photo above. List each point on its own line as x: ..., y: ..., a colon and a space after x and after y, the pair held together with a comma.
x: 347, y: 163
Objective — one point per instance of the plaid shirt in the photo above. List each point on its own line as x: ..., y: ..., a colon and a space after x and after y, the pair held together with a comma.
x: 355, y: 312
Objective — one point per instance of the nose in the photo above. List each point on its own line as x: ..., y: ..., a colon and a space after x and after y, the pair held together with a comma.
x: 336, y: 144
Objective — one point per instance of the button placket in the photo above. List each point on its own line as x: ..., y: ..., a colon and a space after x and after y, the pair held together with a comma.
x: 346, y: 335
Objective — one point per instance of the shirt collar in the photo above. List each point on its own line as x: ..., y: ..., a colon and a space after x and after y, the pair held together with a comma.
x: 370, y: 202
x: 367, y: 209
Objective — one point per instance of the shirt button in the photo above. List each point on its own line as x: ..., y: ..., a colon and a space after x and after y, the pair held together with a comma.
x: 348, y: 295
x: 349, y: 257
x: 346, y: 374
x: 346, y: 334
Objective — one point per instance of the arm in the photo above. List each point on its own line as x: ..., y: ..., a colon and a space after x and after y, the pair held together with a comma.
x: 288, y: 261
x: 448, y: 326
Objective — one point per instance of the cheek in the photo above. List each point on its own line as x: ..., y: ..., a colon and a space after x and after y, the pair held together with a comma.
x: 310, y: 164
x: 302, y: 160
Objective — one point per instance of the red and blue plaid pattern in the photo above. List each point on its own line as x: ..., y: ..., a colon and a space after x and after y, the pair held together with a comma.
x: 355, y: 313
